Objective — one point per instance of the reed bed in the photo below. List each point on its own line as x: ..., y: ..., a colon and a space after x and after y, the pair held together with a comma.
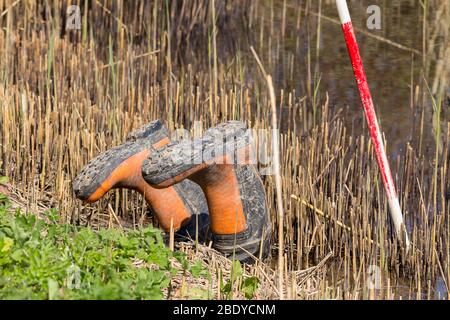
x: 67, y: 95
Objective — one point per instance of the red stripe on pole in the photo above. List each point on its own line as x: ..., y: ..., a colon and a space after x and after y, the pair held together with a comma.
x: 366, y: 98
x: 367, y: 102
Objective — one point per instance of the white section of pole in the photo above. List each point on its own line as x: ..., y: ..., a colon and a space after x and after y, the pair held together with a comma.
x: 344, y: 14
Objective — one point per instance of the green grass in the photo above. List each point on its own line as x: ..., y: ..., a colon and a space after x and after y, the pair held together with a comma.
x: 48, y: 260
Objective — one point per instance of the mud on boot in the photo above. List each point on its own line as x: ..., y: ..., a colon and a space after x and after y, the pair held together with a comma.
x: 120, y: 167
x: 220, y: 162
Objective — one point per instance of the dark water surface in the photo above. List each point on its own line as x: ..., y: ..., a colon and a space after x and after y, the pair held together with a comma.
x: 390, y: 70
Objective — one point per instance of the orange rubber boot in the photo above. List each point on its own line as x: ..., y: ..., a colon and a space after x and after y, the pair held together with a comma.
x: 120, y: 167
x: 220, y: 163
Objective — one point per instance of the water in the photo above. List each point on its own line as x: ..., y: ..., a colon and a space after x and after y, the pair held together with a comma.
x: 390, y: 70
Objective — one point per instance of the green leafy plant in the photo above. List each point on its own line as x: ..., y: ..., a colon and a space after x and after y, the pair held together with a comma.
x: 247, y: 286
x: 46, y: 260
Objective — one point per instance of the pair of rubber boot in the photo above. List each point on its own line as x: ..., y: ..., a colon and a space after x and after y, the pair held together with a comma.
x: 204, y: 188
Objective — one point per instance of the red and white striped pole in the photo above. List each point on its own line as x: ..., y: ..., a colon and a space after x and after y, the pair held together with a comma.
x: 371, y: 117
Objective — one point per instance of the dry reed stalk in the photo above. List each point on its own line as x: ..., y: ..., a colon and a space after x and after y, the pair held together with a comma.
x: 277, y: 174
